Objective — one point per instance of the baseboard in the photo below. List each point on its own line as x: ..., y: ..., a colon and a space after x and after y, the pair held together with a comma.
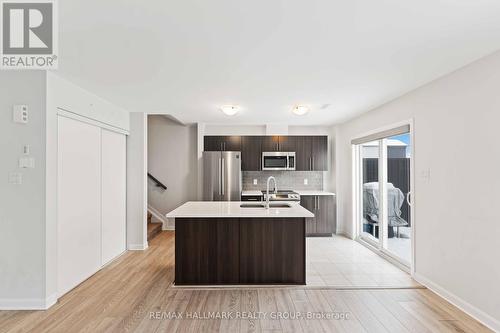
x: 167, y: 228
x: 137, y: 247
x: 28, y: 303
x: 466, y: 307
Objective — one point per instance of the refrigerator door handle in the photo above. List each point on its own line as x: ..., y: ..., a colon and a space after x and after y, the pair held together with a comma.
x: 223, y: 176
x: 219, y: 173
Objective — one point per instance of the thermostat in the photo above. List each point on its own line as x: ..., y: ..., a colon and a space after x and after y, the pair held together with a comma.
x: 20, y: 114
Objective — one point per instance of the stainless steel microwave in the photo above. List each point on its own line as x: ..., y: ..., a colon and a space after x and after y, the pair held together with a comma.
x: 278, y: 160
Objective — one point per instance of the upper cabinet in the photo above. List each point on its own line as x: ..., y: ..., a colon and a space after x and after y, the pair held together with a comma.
x: 251, y: 153
x: 270, y: 143
x: 222, y: 143
x: 311, y: 152
x: 319, y: 153
x: 279, y: 143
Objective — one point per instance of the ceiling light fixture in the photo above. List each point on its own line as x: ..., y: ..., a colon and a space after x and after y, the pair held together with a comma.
x: 300, y: 110
x: 230, y: 110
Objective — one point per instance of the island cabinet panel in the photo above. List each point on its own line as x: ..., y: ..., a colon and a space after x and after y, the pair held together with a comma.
x: 206, y: 251
x: 212, y: 251
x: 272, y: 251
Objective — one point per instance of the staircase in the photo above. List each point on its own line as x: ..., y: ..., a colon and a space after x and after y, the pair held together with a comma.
x: 153, y: 228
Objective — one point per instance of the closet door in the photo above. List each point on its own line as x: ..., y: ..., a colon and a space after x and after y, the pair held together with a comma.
x: 113, y: 169
x: 79, y: 202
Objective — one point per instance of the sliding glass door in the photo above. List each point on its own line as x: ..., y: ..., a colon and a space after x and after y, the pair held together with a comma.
x: 383, y: 191
x: 370, y: 157
x: 399, y: 197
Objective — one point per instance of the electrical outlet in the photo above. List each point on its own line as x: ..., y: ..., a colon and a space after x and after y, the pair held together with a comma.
x: 306, y: 182
x: 255, y: 181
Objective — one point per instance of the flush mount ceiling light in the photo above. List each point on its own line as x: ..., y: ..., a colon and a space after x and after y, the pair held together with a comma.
x: 230, y: 110
x: 300, y: 110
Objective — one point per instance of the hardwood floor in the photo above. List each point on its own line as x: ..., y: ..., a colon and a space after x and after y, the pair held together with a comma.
x: 135, y: 294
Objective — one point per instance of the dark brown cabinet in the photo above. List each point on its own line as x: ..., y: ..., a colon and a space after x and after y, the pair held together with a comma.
x: 215, y: 247
x: 303, y: 153
x: 272, y: 251
x: 319, y: 153
x: 323, y: 207
x: 311, y: 152
x: 270, y: 143
x: 251, y: 153
x: 308, y: 203
x: 239, y: 251
x: 222, y: 143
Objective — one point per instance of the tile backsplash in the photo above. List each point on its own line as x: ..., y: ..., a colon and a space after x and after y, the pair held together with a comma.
x: 287, y: 180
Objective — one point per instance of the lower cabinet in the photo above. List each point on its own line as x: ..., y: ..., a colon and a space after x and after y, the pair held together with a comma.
x: 323, y: 207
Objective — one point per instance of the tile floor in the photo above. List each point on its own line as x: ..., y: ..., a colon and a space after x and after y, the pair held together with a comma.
x: 341, y: 262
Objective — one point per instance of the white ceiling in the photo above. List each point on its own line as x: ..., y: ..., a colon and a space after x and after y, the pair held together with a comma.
x: 341, y: 57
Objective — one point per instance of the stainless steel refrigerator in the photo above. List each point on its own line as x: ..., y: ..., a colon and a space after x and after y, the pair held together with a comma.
x: 221, y: 175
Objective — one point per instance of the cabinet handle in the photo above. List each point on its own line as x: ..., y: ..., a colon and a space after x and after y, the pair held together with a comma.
x: 312, y: 163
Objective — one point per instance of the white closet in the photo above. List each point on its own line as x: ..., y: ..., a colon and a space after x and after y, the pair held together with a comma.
x: 113, y: 192
x: 91, y: 200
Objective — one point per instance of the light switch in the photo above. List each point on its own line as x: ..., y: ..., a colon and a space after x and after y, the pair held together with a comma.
x: 15, y: 178
x: 255, y: 181
x: 20, y: 114
x: 306, y: 181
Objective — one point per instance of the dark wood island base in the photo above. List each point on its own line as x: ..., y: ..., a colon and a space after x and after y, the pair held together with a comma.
x: 218, y: 251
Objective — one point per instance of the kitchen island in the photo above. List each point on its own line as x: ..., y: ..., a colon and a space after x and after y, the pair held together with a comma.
x: 218, y: 243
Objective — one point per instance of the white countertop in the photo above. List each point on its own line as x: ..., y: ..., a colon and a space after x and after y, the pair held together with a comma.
x: 300, y: 192
x: 232, y: 209
x: 312, y: 192
x: 247, y: 193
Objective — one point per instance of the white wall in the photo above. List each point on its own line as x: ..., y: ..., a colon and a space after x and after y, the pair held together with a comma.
x: 172, y: 159
x: 457, y: 226
x: 137, y: 168
x: 28, y: 212
x: 87, y: 106
x: 22, y: 207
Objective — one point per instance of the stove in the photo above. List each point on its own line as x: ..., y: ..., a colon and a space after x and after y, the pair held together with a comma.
x: 282, y: 195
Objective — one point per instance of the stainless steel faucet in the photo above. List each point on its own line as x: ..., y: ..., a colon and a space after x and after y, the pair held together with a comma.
x: 267, y: 191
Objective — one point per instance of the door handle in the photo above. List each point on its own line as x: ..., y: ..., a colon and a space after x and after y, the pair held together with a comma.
x: 223, y: 181
x: 408, y: 198
x: 219, y: 168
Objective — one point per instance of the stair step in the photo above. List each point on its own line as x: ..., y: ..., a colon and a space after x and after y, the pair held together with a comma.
x: 153, y: 230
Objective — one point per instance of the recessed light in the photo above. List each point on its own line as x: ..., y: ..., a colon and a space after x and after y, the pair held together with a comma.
x: 230, y: 110
x: 300, y: 110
